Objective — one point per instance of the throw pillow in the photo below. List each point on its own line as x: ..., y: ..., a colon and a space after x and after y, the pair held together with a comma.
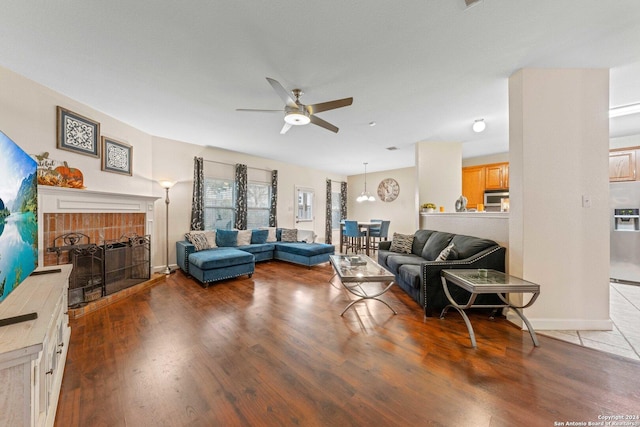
x: 289, y: 235
x: 244, y: 237
x: 401, y: 243
x: 272, y: 234
x: 438, y: 241
x: 225, y: 238
x: 210, y: 235
x: 199, y: 240
x: 260, y: 236
x: 444, y: 255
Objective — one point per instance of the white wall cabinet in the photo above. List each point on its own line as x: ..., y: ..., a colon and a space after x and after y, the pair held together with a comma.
x: 33, y: 353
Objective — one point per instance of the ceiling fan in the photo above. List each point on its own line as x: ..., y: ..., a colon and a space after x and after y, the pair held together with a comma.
x: 296, y: 113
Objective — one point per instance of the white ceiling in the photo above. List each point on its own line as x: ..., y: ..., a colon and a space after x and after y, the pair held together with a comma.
x: 423, y: 70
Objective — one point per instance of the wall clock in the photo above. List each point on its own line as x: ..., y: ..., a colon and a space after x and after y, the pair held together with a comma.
x: 388, y: 190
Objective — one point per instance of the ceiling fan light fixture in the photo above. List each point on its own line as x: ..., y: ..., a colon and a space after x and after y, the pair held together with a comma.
x: 297, y: 118
x: 479, y: 125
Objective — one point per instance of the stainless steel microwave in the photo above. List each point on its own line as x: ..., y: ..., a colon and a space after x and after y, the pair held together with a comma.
x: 493, y: 200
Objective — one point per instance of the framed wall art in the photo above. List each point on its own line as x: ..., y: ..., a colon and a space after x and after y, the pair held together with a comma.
x: 78, y: 133
x: 117, y: 157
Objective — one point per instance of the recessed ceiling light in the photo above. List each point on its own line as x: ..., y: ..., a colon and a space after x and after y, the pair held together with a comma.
x: 372, y: 124
x: 392, y: 148
x: 479, y: 125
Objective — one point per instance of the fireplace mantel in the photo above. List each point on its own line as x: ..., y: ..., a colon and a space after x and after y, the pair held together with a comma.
x: 69, y: 200
x: 59, y: 199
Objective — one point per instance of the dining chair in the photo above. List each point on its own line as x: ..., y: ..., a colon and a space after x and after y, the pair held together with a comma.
x: 374, y: 227
x: 353, y: 235
x: 379, y: 233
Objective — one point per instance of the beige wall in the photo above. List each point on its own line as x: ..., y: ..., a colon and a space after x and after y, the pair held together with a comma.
x: 402, y: 212
x: 439, y: 173
x: 28, y: 116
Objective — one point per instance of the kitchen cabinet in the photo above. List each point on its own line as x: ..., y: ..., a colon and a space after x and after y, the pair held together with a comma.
x: 33, y: 353
x: 622, y: 165
x: 473, y: 181
x: 478, y: 179
x: 497, y: 176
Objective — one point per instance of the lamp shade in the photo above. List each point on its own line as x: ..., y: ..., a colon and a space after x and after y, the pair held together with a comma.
x: 166, y: 184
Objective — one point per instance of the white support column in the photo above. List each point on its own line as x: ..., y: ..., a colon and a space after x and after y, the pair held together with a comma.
x: 559, y: 194
x: 438, y: 174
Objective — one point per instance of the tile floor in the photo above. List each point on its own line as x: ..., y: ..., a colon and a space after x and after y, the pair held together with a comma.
x: 624, y: 339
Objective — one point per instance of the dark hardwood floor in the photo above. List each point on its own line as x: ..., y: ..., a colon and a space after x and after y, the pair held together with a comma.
x: 274, y: 351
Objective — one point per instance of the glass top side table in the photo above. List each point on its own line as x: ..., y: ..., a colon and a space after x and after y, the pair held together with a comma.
x: 488, y: 282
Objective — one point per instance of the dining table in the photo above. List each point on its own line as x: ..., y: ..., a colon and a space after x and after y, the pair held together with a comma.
x: 365, y: 226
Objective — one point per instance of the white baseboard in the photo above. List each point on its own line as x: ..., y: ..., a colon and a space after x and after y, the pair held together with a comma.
x: 562, y: 324
x: 160, y: 268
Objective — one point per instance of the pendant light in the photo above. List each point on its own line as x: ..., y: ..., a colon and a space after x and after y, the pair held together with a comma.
x: 365, y: 196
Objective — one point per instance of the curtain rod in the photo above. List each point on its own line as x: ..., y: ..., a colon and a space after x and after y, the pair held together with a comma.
x: 233, y: 164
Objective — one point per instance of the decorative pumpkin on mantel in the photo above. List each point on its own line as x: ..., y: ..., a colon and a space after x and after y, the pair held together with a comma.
x: 71, y: 176
x: 57, y: 174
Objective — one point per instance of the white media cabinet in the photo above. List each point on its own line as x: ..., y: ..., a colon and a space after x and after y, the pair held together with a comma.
x: 33, y: 352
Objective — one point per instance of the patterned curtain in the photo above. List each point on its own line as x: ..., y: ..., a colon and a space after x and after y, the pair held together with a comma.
x: 197, y: 206
x: 273, y: 207
x: 328, y: 226
x: 343, y: 200
x: 241, y: 196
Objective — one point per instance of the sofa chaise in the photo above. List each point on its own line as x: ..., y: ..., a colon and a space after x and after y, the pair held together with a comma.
x: 209, y: 256
x: 417, y: 260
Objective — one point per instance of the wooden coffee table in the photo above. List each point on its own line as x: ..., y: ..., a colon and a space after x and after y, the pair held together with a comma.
x: 356, y: 271
x: 488, y: 282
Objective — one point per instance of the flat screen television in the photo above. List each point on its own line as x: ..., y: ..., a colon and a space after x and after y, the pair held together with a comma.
x: 18, y: 215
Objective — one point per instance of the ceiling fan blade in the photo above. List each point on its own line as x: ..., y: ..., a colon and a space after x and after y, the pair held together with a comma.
x: 259, y: 110
x: 322, y: 123
x: 330, y: 105
x: 285, y: 128
x: 282, y: 92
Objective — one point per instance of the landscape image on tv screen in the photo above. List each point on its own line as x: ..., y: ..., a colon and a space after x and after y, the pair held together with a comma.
x: 18, y: 215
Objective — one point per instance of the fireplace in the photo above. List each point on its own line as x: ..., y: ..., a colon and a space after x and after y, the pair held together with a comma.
x: 107, y: 236
x: 101, y: 270
x: 126, y: 262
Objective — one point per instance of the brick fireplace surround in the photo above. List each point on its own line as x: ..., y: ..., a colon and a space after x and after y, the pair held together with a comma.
x: 100, y: 215
x: 98, y: 226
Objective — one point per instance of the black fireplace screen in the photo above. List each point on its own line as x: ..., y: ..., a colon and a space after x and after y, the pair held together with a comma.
x: 101, y: 270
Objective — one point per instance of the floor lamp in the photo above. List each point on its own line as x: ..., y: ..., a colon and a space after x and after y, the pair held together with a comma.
x: 167, y: 185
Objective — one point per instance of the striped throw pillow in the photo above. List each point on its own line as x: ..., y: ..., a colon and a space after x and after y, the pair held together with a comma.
x: 401, y: 243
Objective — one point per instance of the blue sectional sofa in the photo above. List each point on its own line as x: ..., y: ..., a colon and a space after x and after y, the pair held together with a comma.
x: 209, y: 262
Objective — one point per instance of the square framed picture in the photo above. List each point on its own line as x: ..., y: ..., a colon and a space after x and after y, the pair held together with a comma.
x: 78, y: 133
x: 117, y: 157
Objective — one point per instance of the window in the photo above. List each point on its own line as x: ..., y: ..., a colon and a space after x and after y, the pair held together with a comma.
x: 335, y: 210
x: 219, y: 203
x: 258, y: 201
x: 305, y: 204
